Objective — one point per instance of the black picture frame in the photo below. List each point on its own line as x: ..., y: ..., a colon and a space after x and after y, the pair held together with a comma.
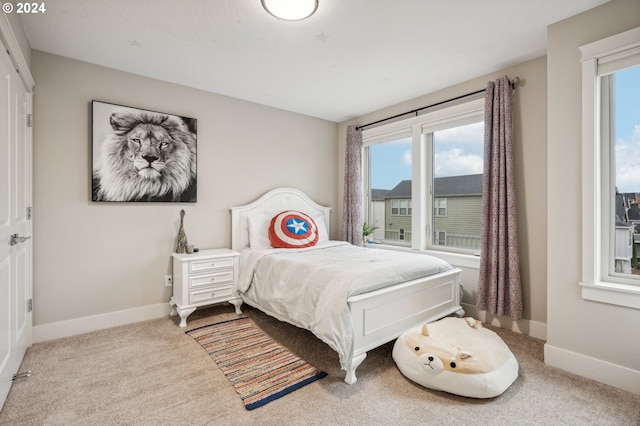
x: 140, y: 155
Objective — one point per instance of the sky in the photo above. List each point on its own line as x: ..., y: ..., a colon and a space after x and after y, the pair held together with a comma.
x: 459, y: 151
x: 627, y: 129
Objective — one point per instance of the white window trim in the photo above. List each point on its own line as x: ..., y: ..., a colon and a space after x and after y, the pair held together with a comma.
x: 594, y: 283
x: 456, y: 259
x: 417, y: 128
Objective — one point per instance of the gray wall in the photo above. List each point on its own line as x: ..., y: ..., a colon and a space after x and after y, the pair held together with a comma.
x: 579, y: 331
x: 97, y: 258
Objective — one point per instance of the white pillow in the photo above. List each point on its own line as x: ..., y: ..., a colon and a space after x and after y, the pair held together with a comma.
x: 323, y: 234
x: 259, y: 232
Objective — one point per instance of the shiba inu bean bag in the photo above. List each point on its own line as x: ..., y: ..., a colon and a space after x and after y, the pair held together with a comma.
x: 456, y: 355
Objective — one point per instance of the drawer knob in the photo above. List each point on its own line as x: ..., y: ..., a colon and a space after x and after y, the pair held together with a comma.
x: 213, y: 293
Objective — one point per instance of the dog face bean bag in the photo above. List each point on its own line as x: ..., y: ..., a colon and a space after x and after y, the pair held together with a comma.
x: 458, y: 356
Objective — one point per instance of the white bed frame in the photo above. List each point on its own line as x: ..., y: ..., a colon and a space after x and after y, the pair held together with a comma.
x: 378, y: 316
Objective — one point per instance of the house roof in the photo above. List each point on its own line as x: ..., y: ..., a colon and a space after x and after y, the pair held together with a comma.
x: 458, y: 185
x: 450, y: 186
x: 379, y: 194
x: 401, y: 190
x: 627, y: 207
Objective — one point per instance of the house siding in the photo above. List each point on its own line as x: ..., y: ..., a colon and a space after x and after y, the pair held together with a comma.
x: 462, y: 223
x: 395, y: 222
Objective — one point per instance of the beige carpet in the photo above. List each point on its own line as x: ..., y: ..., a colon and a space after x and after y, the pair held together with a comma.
x: 152, y: 373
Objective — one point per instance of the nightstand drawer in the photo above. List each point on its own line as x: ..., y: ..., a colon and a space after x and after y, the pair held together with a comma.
x: 196, y: 281
x: 211, y: 264
x: 210, y: 295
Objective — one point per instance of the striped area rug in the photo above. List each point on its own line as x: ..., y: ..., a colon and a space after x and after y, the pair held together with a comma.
x: 260, y: 369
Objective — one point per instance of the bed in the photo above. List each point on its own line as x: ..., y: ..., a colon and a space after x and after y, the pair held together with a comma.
x: 345, y: 295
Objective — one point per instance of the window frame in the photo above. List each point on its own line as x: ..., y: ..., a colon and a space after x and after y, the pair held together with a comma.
x: 419, y: 130
x: 597, y: 283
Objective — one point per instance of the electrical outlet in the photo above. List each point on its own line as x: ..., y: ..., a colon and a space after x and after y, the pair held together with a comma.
x: 168, y: 280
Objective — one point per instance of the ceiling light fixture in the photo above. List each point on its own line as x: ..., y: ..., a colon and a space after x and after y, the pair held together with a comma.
x: 290, y: 10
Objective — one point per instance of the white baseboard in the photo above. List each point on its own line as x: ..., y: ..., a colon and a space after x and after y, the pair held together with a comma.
x: 530, y: 328
x: 602, y: 371
x: 56, y: 330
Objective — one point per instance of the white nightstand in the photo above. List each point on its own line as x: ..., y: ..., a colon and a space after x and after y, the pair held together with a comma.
x: 203, y: 278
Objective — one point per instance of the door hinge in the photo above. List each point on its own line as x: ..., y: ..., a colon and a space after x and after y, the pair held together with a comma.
x: 29, y: 120
x: 29, y: 213
x: 30, y: 305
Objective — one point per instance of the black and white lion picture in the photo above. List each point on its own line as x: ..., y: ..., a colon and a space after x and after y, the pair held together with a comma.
x: 148, y: 156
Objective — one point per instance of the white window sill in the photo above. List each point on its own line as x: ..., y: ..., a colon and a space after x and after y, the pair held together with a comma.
x: 455, y: 259
x: 612, y: 293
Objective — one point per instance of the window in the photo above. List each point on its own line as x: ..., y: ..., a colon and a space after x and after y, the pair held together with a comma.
x: 427, y: 172
x: 620, y: 138
x: 440, y: 207
x: 458, y: 153
x: 401, y: 207
x: 389, y: 184
x: 611, y: 169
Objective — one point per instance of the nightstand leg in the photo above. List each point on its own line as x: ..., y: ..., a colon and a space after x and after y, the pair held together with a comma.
x: 172, y: 304
x: 237, y: 303
x: 184, y: 313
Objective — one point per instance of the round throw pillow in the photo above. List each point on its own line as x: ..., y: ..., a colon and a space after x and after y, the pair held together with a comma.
x: 292, y: 229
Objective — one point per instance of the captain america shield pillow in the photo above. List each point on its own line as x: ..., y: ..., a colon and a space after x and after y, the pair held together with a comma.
x: 292, y: 229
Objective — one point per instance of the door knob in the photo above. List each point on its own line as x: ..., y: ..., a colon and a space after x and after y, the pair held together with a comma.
x: 16, y: 239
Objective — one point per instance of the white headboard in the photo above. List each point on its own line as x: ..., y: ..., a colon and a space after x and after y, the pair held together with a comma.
x: 270, y: 204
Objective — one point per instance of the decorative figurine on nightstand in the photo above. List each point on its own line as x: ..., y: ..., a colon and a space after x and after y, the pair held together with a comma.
x: 182, y: 237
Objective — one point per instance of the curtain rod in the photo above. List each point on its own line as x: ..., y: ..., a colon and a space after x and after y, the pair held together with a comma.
x: 514, y: 83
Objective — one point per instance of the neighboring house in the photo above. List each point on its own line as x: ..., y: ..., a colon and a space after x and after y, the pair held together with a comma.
x: 377, y: 212
x: 627, y: 232
x: 633, y: 216
x: 397, y: 212
x: 458, y: 211
x: 457, y: 208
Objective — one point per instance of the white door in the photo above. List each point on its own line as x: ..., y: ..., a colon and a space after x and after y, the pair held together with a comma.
x: 15, y: 220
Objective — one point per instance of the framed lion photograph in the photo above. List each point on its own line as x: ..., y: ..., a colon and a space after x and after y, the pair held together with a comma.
x: 142, y: 156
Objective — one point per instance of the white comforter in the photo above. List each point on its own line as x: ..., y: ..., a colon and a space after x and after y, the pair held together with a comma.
x: 309, y: 287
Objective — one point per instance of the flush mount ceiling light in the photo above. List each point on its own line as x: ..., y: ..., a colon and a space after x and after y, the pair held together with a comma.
x: 290, y: 10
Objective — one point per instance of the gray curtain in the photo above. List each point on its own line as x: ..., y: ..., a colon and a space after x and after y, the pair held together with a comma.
x: 352, y: 220
x: 499, y: 288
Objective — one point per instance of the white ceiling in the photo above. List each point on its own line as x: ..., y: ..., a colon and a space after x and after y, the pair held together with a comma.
x: 350, y: 58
